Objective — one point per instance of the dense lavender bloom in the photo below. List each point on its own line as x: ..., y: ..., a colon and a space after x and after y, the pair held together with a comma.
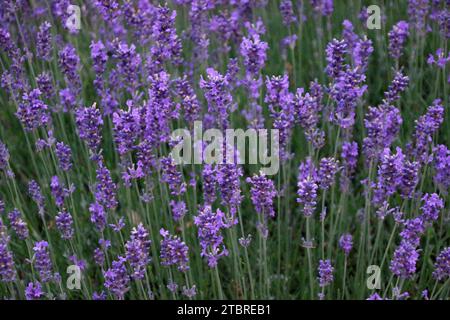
x: 403, y: 264
x: 217, y: 93
x: 346, y: 243
x: 262, y: 193
x: 99, y: 253
x: 327, y: 170
x: 98, y: 215
x: 174, y: 251
x: 33, y: 291
x: 117, y: 279
x: 325, y: 273
x: 189, y: 102
x: 323, y: 7
x: 442, y: 265
x: 335, y: 51
x: 410, y: 178
x: 89, y: 122
x: 349, y: 35
x: 32, y: 111
x: 137, y: 251
x: 172, y: 176
x: 18, y: 225
x: 413, y: 229
x: 69, y: 63
x: 382, y: 124
x: 361, y: 53
x: 44, y: 41
x: 64, y: 223
x: 389, y: 177
x: 44, y: 83
x: 106, y: 189
x: 253, y: 50
x: 128, y: 65
x: 398, y: 85
x: 307, y: 195
x: 126, y: 129
x: 179, y: 209
x: 433, y: 204
x: 99, y: 57
x: 308, y: 106
x: 442, y: 167
x: 35, y: 193
x: 397, y: 38
x: 64, y: 155
x: 42, y: 261
x: 426, y: 126
x: 287, y: 12
x: 209, y: 225
x: 209, y: 183
x: 349, y: 156
x: 228, y: 179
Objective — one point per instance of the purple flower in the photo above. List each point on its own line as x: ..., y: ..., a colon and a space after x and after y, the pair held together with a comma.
x: 426, y: 126
x: 99, y: 296
x: 398, y: 85
x: 35, y: 193
x: 105, y: 190
x: 209, y: 225
x: 69, y: 63
x: 33, y: 291
x: 216, y: 89
x: 361, y: 53
x: 119, y: 225
x: 42, y: 261
x: 32, y: 111
x: 64, y: 223
x: 189, y: 102
x: 18, y: 224
x: 4, y: 157
x: 44, y: 41
x: 404, y: 262
x: 99, y: 253
x: 262, y: 193
x: 442, y: 265
x: 172, y: 176
x: 228, y: 179
x: 431, y: 207
x: 98, y: 216
x: 99, y: 56
x: 413, y: 229
x: 323, y: 7
x: 189, y: 292
x: 59, y: 192
x: 417, y: 12
x: 328, y: 168
x: 7, y: 269
x: 335, y: 52
x: 117, y: 279
x: 64, y: 155
x: 325, y: 273
x: 129, y: 62
x: 440, y: 59
x: 389, y: 177
x: 137, y: 251
x: 346, y: 243
x: 442, y: 167
x: 397, y: 38
x: 174, y: 251
x: 45, y: 85
x: 209, y: 183
x: 287, y: 12
x: 179, y: 209
x: 375, y: 296
x: 410, y: 178
x: 89, y: 122
x: 126, y: 129
x: 253, y: 50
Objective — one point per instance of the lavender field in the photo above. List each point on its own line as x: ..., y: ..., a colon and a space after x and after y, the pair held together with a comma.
x: 95, y: 205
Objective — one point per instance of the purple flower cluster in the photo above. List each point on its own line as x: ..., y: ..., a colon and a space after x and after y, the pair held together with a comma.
x: 325, y: 273
x: 137, y: 251
x: 174, y: 251
x: 19, y: 226
x: 42, y: 261
x: 262, y: 193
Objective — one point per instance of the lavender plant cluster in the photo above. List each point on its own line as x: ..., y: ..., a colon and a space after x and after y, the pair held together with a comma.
x: 87, y: 178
